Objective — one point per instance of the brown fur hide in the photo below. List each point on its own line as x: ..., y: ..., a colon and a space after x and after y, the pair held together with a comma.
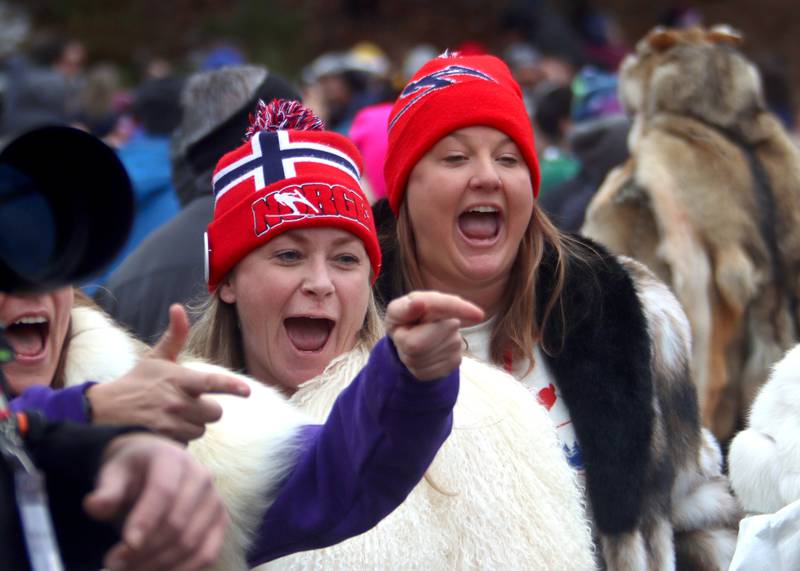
x: 710, y: 201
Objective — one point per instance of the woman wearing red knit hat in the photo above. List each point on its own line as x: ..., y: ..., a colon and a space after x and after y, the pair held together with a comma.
x: 292, y: 256
x: 602, y: 344
x: 291, y: 253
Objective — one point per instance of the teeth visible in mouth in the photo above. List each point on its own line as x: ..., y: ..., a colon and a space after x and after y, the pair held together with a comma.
x: 30, y: 321
x: 483, y: 209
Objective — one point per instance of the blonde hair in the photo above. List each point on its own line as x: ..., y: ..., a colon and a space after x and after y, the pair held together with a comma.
x: 517, y: 327
x: 80, y: 300
x: 217, y: 338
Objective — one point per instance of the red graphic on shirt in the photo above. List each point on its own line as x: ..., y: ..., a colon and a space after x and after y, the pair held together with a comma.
x: 547, y: 396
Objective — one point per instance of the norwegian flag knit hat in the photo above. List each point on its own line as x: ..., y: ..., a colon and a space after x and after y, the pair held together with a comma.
x: 448, y: 93
x: 290, y: 174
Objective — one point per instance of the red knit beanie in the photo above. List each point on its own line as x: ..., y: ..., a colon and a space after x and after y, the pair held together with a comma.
x: 290, y: 174
x: 448, y: 93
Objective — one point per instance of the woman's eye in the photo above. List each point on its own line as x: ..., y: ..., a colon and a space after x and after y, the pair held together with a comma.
x: 509, y: 160
x: 287, y: 256
x: 348, y: 259
x: 454, y: 159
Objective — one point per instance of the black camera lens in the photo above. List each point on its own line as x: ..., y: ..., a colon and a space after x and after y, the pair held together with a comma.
x: 27, y: 226
x: 66, y: 208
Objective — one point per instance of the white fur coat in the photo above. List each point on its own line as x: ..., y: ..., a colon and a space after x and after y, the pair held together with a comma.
x: 499, y: 494
x: 248, y: 451
x: 764, y: 459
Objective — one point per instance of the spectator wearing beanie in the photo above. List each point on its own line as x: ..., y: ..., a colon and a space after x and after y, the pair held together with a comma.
x: 598, y: 340
x: 168, y: 267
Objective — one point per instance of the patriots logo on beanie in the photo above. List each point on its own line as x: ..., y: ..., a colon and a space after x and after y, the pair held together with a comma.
x: 290, y: 174
x: 432, y: 82
x: 449, y: 93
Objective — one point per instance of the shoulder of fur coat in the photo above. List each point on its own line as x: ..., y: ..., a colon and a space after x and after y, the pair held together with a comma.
x: 499, y: 494
x: 764, y: 459
x: 248, y: 451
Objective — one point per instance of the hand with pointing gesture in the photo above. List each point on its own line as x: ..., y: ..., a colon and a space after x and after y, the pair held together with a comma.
x: 162, y: 395
x: 424, y: 328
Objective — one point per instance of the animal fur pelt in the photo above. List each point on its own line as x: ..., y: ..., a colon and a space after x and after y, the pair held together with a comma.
x: 710, y: 201
x: 246, y: 455
x: 658, y: 495
x: 499, y: 494
x: 764, y: 460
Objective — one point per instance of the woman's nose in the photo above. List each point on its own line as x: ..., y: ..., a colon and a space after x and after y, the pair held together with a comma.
x: 485, y: 176
x: 317, y: 281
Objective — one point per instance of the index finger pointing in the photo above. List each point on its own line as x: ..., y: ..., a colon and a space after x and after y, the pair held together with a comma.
x: 439, y: 306
x: 404, y: 311
x: 196, y: 383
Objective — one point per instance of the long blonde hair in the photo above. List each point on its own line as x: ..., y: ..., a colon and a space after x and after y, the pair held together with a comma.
x: 217, y: 338
x: 517, y: 327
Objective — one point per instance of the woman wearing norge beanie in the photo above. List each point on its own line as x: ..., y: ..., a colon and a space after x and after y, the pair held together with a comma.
x: 291, y: 254
x: 300, y: 243
x: 599, y: 340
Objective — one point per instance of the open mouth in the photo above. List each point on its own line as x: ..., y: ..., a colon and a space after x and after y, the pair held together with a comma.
x: 28, y: 336
x: 308, y: 333
x: 480, y: 223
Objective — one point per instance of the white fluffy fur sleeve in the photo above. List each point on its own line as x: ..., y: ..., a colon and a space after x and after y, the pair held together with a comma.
x: 764, y: 460
x: 248, y: 451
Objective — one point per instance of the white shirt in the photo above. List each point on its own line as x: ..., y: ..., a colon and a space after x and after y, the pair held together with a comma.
x: 539, y: 381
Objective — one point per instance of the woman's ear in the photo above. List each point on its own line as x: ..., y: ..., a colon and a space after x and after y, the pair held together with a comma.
x: 227, y: 291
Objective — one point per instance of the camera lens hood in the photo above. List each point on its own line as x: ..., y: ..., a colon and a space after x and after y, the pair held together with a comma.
x: 66, y: 208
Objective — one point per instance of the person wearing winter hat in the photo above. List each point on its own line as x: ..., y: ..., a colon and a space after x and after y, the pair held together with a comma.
x: 287, y: 188
x: 600, y: 342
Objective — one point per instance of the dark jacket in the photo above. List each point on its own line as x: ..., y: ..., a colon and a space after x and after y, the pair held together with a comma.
x: 166, y: 268
x: 69, y: 456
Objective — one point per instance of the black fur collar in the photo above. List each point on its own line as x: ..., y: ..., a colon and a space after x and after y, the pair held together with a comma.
x: 601, y: 360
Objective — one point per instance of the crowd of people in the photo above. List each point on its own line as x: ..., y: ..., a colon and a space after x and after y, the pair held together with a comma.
x: 400, y: 351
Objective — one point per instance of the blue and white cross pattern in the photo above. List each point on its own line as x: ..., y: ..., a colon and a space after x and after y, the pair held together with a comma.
x: 275, y: 157
x: 435, y: 81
